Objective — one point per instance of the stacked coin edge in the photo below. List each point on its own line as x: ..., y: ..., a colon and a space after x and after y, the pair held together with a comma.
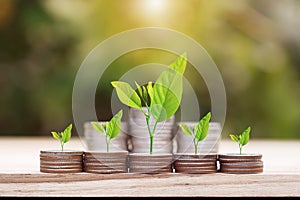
x: 61, y: 161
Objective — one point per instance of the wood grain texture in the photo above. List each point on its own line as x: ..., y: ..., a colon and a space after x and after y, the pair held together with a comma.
x: 149, y: 185
x: 20, y: 176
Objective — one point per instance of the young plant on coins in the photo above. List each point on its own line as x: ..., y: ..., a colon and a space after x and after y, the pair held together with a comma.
x: 107, y: 162
x: 198, y: 132
x: 242, y: 139
x: 241, y: 163
x: 196, y: 163
x: 61, y: 161
x: 111, y: 129
x: 161, y: 99
x: 63, y: 137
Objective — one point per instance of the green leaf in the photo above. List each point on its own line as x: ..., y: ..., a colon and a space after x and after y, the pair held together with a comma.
x: 245, y: 136
x: 167, y: 91
x: 186, y: 130
x: 139, y: 88
x: 164, y: 103
x: 145, y: 94
x: 66, y: 135
x: 234, y: 138
x: 55, y: 135
x: 106, y: 126
x: 98, y: 127
x: 180, y: 64
x: 150, y: 90
x: 172, y: 80
x: 127, y: 95
x: 202, y: 127
x: 114, y: 125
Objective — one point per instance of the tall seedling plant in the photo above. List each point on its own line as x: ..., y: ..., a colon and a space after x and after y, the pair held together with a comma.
x: 161, y: 99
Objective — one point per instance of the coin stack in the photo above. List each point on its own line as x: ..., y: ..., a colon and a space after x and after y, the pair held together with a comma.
x: 241, y: 164
x: 209, y: 145
x: 142, y: 163
x: 139, y: 134
x: 198, y: 164
x: 96, y: 141
x: 106, y: 162
x: 61, y: 162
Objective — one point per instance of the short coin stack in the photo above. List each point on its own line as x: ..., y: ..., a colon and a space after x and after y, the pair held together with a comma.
x: 106, y: 162
x: 142, y: 163
x: 61, y: 162
x: 140, y: 139
x: 241, y: 164
x: 209, y: 145
x: 199, y: 164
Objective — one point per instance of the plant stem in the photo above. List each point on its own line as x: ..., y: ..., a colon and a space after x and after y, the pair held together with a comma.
x: 150, y: 133
x: 152, y: 137
x: 62, y: 145
x: 154, y: 128
x: 194, y: 141
x: 196, y: 147
x: 151, y: 143
x: 107, y: 144
x: 240, y: 146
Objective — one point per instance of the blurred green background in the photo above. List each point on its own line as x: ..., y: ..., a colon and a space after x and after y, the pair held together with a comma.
x: 254, y: 43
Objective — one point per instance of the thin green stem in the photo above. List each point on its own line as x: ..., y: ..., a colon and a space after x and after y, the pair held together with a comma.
x: 107, y: 144
x: 151, y: 143
x: 148, y: 124
x: 150, y: 133
x: 194, y: 141
x: 196, y: 147
x: 62, y: 145
x: 154, y: 128
x: 240, y: 147
x: 141, y: 109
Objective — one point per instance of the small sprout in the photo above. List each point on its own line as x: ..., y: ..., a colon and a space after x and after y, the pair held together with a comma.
x: 111, y: 129
x: 63, y: 137
x: 199, y: 131
x: 241, y: 139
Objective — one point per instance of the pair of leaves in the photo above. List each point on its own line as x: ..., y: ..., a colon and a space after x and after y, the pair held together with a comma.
x: 243, y: 138
x: 64, y: 136
x: 112, y: 128
x: 200, y: 131
x: 165, y: 95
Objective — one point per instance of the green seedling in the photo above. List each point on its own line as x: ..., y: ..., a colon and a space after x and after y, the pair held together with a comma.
x: 198, y: 132
x: 111, y: 129
x: 63, y: 137
x: 241, y: 139
x: 161, y: 99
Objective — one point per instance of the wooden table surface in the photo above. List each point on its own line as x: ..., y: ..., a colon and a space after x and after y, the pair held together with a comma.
x: 20, y: 176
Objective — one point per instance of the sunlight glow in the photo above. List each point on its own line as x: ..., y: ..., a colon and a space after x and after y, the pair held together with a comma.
x: 155, y: 5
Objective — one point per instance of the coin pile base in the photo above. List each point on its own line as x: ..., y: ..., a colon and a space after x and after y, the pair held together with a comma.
x: 150, y: 164
x: 241, y: 164
x: 195, y: 164
x: 105, y: 162
x: 61, y: 162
